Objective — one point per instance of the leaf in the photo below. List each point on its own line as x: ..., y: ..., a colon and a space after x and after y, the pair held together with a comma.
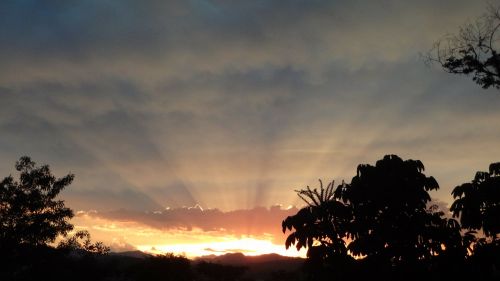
x: 495, y: 169
x: 431, y: 183
x: 290, y: 240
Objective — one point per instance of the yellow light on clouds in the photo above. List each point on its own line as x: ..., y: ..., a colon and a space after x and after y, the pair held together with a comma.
x: 247, y: 246
x: 190, y: 243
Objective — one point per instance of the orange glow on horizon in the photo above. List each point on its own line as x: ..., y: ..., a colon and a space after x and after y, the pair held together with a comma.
x: 129, y: 236
x: 246, y: 246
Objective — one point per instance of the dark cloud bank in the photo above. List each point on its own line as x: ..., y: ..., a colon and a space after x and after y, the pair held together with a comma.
x: 166, y: 103
x: 253, y: 222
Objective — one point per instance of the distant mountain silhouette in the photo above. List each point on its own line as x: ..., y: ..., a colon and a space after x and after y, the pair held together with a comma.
x: 241, y: 259
x: 132, y: 254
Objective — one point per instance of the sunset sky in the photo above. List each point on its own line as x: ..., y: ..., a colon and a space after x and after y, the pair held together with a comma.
x: 189, y: 124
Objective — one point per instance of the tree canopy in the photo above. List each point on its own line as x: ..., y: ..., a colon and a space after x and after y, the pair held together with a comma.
x: 477, y: 203
x: 382, y: 215
x: 29, y: 211
x: 391, y: 218
x: 473, y: 50
x: 81, y: 241
x: 321, y: 226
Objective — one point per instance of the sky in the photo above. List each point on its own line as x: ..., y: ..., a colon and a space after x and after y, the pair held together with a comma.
x: 189, y: 124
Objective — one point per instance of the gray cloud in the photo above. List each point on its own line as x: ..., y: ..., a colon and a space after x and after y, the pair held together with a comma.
x: 233, y: 104
x: 105, y: 198
x: 177, y: 37
x: 254, y: 222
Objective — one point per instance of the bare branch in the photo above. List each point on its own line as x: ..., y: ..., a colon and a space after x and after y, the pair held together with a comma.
x: 472, y: 50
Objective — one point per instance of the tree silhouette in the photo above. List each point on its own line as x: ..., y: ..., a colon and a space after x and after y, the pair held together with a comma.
x: 391, y: 219
x: 168, y: 267
x: 321, y: 225
x: 472, y: 51
x: 382, y: 217
x: 29, y: 211
x: 477, y: 204
x: 81, y: 241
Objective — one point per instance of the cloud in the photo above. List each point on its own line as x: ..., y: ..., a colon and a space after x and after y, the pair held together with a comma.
x: 234, y: 104
x: 119, y: 245
x: 441, y: 206
x: 256, y: 222
x: 177, y: 37
x: 228, y: 250
x: 111, y: 199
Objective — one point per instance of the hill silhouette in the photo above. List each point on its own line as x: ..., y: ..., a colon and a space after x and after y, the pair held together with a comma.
x: 132, y: 254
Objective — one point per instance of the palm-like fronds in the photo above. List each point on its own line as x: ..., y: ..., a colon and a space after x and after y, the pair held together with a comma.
x: 313, y: 197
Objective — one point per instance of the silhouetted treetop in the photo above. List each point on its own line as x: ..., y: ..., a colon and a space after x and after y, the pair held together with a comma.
x: 473, y: 50
x: 477, y: 203
x: 321, y: 225
x: 382, y: 215
x: 391, y: 218
x: 313, y: 197
x: 391, y: 183
x: 29, y: 213
x: 81, y: 241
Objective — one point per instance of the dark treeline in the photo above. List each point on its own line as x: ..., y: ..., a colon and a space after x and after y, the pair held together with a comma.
x: 384, y: 225
x: 47, y: 263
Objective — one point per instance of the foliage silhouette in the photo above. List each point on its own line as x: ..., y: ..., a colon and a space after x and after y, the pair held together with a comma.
x: 391, y: 219
x: 29, y: 212
x: 321, y: 226
x: 47, y: 263
x: 30, y: 218
x: 477, y: 203
x: 383, y: 217
x: 168, y: 267
x: 81, y: 241
x: 472, y: 51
